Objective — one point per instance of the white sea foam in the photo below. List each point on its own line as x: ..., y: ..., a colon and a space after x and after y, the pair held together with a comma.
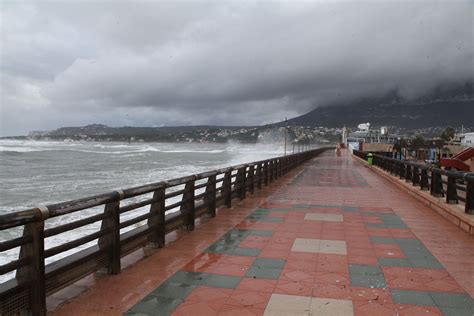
x: 66, y: 171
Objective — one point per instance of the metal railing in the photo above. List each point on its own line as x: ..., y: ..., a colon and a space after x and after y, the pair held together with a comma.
x: 456, y: 186
x: 170, y: 205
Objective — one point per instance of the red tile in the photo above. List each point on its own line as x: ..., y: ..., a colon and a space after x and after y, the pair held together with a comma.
x: 331, y: 291
x: 232, y: 310
x: 288, y: 287
x: 437, y: 280
x: 325, y: 266
x: 332, y: 278
x: 247, y: 298
x: 412, y: 310
x: 272, y: 253
x: 374, y: 308
x: 306, y: 265
x: 297, y: 275
x: 242, y: 260
x: 382, y: 296
x: 259, y: 285
x: 231, y: 269
x: 370, y: 260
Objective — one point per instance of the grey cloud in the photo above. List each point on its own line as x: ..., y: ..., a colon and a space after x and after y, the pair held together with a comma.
x: 196, y: 62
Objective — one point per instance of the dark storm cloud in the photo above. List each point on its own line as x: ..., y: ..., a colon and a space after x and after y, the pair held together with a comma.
x: 196, y: 62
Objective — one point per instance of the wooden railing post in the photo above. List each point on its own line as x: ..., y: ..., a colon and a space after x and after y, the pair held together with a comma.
x: 469, y: 206
x: 251, y: 179
x: 210, y: 197
x: 436, y: 184
x: 271, y: 170
x: 424, y: 183
x: 279, y: 171
x: 259, y: 175
x: 227, y: 189
x: 408, y: 174
x: 34, y: 272
x: 188, y: 206
x: 110, y: 241
x: 415, y: 176
x: 402, y: 171
x: 240, y: 182
x: 451, y: 191
x: 157, y: 219
x: 265, y: 173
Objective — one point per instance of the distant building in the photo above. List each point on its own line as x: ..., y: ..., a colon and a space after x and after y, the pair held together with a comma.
x: 467, y: 139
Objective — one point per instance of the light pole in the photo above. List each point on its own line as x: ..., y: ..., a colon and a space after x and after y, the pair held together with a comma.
x: 286, y: 124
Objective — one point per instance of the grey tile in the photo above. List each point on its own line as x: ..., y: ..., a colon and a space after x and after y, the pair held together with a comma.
x: 375, y: 225
x: 272, y: 219
x: 173, y: 290
x: 394, y: 262
x: 236, y: 234
x: 452, y: 299
x: 410, y: 243
x: 349, y: 208
x: 425, y: 263
x: 249, y: 252
x: 269, y: 263
x: 364, y: 269
x: 223, y: 281
x: 301, y: 206
x: 383, y: 240
x: 264, y: 273
x: 262, y: 233
x: 155, y: 305
x: 457, y: 311
x: 372, y: 281
x: 370, y: 213
x: 226, y: 242
x: 220, y: 249
x: 412, y: 297
x: 191, y: 278
x: 276, y: 209
x: 396, y: 225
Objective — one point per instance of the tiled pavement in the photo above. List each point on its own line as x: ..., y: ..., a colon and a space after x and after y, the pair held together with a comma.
x: 351, y: 244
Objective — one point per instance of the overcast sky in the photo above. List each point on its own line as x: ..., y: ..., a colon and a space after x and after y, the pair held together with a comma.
x: 152, y: 63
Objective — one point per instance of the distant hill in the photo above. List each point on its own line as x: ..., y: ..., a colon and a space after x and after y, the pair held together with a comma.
x: 450, y: 107
x: 406, y: 116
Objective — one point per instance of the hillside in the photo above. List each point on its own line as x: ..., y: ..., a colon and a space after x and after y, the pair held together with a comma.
x: 407, y: 116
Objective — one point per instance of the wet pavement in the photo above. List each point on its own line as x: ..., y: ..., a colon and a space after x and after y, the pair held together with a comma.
x: 332, y: 238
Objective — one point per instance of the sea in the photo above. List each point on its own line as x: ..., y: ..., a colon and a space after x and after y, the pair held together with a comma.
x: 38, y: 173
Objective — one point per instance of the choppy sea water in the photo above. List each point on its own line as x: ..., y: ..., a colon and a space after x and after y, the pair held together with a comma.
x: 36, y: 173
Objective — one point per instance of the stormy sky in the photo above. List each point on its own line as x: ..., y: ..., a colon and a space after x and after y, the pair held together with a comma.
x: 153, y: 63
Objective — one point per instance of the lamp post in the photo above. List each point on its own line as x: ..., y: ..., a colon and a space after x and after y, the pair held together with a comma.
x: 286, y: 124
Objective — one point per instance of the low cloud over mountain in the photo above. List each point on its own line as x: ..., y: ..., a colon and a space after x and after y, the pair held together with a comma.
x: 208, y: 62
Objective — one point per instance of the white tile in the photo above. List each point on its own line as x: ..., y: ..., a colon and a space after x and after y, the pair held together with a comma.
x: 333, y: 250
x: 331, y: 307
x: 306, y: 245
x: 324, y: 217
x: 337, y: 247
x: 281, y: 304
x: 294, y: 305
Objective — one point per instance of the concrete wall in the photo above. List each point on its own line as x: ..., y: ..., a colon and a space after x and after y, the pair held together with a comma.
x: 377, y: 147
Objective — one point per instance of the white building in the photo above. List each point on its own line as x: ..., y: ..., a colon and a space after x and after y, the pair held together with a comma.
x: 467, y: 140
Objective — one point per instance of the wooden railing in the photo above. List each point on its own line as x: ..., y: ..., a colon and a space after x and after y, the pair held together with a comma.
x: 170, y: 205
x: 456, y: 186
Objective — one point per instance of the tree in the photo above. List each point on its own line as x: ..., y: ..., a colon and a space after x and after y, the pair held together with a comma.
x: 448, y: 134
x: 417, y: 142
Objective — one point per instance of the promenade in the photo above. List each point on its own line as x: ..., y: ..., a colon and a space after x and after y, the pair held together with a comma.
x: 330, y: 238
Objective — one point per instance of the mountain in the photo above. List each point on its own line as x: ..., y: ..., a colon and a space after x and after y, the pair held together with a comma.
x: 442, y: 107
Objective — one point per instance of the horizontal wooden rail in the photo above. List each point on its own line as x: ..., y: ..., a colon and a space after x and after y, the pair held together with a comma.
x: 120, y: 225
x: 455, y: 186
